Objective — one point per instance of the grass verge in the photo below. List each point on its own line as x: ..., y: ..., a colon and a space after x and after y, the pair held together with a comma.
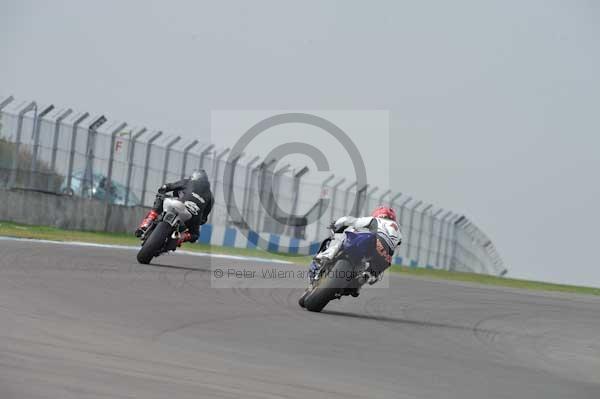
x: 51, y: 233
x: 494, y: 280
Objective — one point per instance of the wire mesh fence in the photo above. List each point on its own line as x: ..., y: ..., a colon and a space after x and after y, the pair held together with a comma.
x: 77, y: 154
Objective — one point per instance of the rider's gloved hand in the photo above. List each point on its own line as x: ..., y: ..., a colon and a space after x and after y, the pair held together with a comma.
x: 162, y: 189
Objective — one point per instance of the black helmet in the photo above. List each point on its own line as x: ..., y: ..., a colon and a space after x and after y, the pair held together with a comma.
x: 199, y: 174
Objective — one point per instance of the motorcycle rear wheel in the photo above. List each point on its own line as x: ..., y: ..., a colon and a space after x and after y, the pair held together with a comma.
x: 154, y: 243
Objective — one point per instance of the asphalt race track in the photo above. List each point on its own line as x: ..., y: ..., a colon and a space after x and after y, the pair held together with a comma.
x: 80, y: 322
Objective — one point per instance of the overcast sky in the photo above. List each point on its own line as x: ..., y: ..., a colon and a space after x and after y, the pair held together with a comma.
x: 494, y: 106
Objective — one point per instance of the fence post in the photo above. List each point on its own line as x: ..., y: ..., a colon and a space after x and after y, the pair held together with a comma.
x: 447, y: 241
x: 130, y: 156
x: 296, y: 195
x: 450, y: 232
x: 360, y: 194
x: 420, y: 236
x: 37, y: 123
x: 274, y: 196
x: 253, y: 192
x: 147, y: 165
x: 392, y: 203
x: 167, y: 155
x: 402, y: 207
x: 319, y: 213
x: 274, y: 193
x: 6, y: 101
x: 441, y: 235
x: 247, y: 184
x: 15, y: 162
x: 111, y: 158
x: 411, y: 228
x: 430, y: 243
x: 450, y: 245
x: 368, y: 198
x: 57, y: 124
x: 334, y: 195
x: 383, y: 196
x: 88, y: 174
x: 186, y: 150
x: 466, y: 227
x: 203, y: 155
x: 72, y: 150
x: 231, y: 182
x: 277, y: 179
x: 262, y: 169
x: 216, y: 162
x: 108, y: 181
x: 347, y: 211
x: 256, y: 172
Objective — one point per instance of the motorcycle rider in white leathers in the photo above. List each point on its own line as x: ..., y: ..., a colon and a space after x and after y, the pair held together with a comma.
x: 382, y: 221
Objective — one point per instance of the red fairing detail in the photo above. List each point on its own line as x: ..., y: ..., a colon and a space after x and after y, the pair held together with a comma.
x: 383, y: 252
x: 149, y: 218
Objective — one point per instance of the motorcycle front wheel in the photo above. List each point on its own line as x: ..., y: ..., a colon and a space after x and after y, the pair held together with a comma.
x: 336, y: 280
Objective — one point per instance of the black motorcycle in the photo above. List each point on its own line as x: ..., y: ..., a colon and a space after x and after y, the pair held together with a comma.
x: 162, y: 235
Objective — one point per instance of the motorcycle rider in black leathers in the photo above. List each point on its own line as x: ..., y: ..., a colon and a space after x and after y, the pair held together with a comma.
x: 196, y: 189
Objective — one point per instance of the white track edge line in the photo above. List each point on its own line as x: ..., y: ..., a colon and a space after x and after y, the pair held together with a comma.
x: 129, y: 247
